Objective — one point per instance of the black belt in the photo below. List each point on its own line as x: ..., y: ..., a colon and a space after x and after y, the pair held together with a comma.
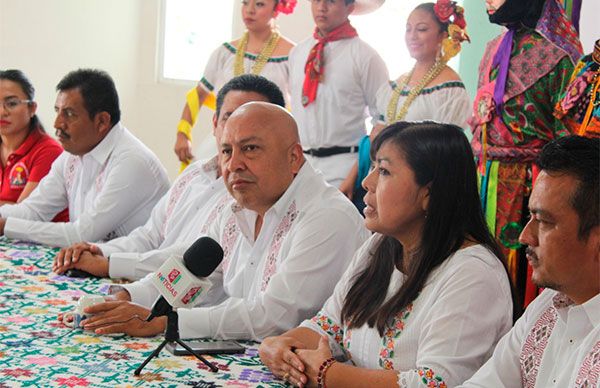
x: 329, y: 151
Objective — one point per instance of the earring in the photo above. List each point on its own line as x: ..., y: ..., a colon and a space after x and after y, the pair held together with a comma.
x: 438, y: 55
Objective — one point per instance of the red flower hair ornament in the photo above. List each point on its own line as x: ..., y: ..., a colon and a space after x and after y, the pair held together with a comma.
x: 447, y: 11
x: 285, y: 6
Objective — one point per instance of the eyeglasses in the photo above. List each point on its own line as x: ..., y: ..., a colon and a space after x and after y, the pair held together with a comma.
x: 11, y: 103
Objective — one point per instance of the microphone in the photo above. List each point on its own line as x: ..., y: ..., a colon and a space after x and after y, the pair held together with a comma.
x: 181, y: 281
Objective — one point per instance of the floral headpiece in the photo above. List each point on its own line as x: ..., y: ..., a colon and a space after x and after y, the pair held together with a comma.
x: 286, y: 6
x: 448, y: 11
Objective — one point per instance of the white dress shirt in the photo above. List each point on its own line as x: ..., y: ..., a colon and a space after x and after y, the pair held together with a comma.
x: 274, y: 282
x: 178, y: 218
x: 110, y: 191
x: 445, y: 335
x: 554, y: 344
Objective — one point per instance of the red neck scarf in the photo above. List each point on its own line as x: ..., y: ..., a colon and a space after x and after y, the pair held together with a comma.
x: 315, y: 65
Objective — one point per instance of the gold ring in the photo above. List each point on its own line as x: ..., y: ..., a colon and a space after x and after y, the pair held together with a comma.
x: 286, y: 376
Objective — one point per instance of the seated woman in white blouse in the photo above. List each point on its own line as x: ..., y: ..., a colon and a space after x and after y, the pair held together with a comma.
x: 427, y: 297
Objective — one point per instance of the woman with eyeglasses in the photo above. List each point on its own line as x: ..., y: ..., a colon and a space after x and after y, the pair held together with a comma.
x: 261, y: 50
x: 26, y: 150
x: 425, y: 300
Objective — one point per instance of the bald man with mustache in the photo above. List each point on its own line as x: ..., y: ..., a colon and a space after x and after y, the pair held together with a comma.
x: 287, y: 236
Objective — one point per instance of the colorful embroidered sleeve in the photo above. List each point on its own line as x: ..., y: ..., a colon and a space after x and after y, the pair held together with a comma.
x: 530, y: 114
x: 557, y: 83
x: 421, y: 377
x: 328, y: 320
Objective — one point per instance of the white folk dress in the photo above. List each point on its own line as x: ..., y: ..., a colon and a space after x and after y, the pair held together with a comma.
x: 446, y: 103
x: 219, y: 69
x: 440, y: 339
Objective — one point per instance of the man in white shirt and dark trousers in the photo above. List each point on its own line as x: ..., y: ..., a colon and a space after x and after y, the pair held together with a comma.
x: 287, y: 237
x: 184, y: 213
x: 108, y: 178
x: 556, y: 343
x: 334, y: 77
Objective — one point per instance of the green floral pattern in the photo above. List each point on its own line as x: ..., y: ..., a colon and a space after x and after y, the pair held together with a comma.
x: 38, y: 351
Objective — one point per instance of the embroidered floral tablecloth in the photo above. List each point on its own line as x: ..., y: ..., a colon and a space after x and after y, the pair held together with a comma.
x: 38, y: 351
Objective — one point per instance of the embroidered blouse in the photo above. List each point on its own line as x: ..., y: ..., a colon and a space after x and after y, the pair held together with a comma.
x: 269, y: 285
x: 445, y: 103
x: 219, y: 69
x: 554, y: 344
x: 443, y: 337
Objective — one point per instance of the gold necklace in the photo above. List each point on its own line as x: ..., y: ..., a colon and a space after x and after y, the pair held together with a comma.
x: 261, y: 58
x: 392, y: 117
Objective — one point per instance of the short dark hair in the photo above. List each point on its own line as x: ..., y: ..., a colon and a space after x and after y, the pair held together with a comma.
x: 251, y: 83
x: 18, y: 77
x: 97, y: 89
x: 439, y: 156
x: 580, y: 157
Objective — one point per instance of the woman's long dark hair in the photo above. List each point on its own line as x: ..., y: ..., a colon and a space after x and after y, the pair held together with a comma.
x: 18, y: 77
x: 440, y: 156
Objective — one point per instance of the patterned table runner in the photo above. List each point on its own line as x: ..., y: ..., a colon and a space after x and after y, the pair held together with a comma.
x: 38, y: 351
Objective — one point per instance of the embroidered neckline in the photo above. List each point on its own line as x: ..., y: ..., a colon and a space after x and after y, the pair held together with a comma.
x: 253, y: 57
x: 443, y: 85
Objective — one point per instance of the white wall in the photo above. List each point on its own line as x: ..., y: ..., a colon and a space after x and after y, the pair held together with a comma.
x: 47, y: 39
x: 588, y: 24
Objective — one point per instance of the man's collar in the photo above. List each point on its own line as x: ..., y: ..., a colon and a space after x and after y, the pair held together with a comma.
x: 103, y: 149
x: 281, y: 206
x: 591, y: 307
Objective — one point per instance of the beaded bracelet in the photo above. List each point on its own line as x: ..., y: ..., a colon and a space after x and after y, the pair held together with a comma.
x: 322, y: 370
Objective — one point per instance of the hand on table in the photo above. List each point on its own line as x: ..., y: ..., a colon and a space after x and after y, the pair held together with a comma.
x: 84, y: 256
x: 312, y: 360
x: 120, y: 316
x: 278, y: 354
x: 121, y: 295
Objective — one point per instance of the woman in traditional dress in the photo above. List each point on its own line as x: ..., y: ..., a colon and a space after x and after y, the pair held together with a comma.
x: 425, y: 300
x: 26, y: 151
x: 430, y: 91
x: 521, y: 76
x: 262, y: 50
